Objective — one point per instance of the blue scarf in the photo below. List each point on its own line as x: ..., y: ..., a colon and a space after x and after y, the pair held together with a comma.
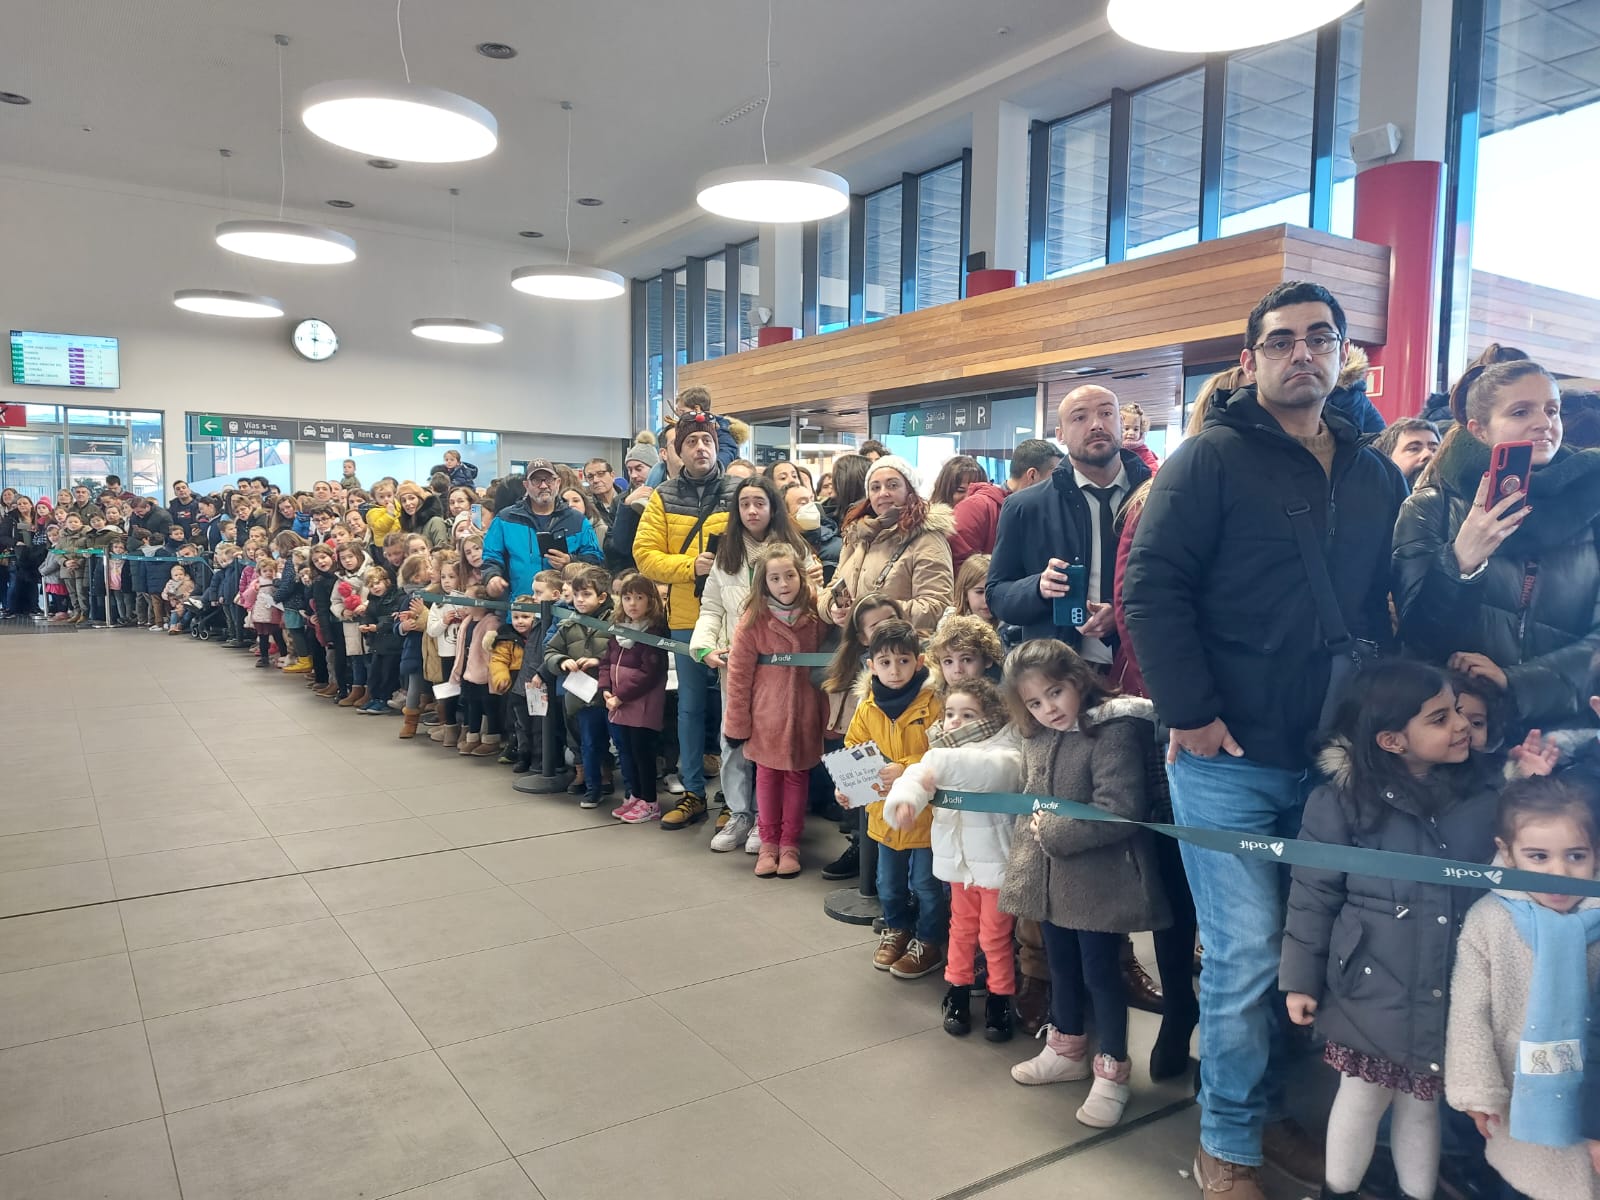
x: 1545, y: 1106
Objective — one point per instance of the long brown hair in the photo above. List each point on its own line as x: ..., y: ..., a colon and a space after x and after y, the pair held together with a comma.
x: 731, y: 547
x: 849, y: 482
x: 1058, y: 663
x: 974, y: 573
x: 958, y: 471
x: 761, y: 595
x: 846, y: 664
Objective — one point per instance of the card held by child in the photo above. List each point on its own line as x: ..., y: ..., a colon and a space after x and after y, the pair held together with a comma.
x: 855, y: 772
x: 582, y: 685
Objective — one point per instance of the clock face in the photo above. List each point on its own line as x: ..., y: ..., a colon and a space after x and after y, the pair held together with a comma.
x: 315, y: 340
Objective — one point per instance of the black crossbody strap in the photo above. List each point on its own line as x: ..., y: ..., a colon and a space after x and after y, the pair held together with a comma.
x: 894, y: 558
x: 1331, y: 619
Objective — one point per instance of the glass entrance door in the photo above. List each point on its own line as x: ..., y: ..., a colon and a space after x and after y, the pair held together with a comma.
x: 31, y: 463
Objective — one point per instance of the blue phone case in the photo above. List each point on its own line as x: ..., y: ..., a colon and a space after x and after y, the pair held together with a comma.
x: 1073, y: 609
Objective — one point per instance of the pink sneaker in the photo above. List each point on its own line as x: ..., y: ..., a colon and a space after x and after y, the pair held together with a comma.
x: 622, y: 810
x: 648, y: 810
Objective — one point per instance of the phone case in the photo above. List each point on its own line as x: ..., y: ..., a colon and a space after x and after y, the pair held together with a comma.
x: 1510, y: 464
x: 1073, y: 609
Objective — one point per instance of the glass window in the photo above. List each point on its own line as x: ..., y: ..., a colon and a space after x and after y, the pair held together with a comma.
x: 1535, y: 278
x: 1347, y: 114
x: 749, y: 289
x: 883, y: 253
x: 1266, y: 137
x: 716, y: 303
x: 1164, y: 165
x: 833, y: 273
x: 652, y: 353
x: 217, y: 462
x: 939, y: 236
x: 1075, y: 208
x: 680, y: 316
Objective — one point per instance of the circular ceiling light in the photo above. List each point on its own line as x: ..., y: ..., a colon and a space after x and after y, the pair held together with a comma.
x: 773, y: 195
x: 403, y: 121
x: 460, y: 330
x: 215, y: 303
x: 568, y: 282
x: 286, y: 242
x: 1194, y: 27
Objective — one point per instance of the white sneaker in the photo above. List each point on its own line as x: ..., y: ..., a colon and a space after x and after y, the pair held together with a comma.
x: 674, y: 784
x: 734, y: 834
x: 752, y: 844
x: 1064, y: 1059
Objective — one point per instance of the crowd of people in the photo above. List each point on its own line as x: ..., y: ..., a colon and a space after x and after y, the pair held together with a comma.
x: 1300, y: 624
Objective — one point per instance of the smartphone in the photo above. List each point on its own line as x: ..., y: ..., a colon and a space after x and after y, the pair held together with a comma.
x: 477, y: 515
x: 1510, y: 464
x: 712, y: 541
x: 549, y: 542
x: 1073, y: 608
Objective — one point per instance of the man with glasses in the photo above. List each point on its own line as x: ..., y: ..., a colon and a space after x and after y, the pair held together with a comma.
x: 1222, y: 611
x: 602, y: 481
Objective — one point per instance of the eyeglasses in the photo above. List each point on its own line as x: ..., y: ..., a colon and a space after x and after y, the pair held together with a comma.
x: 1282, y: 345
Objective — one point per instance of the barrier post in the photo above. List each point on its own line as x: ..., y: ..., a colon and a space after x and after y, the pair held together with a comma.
x: 553, y: 775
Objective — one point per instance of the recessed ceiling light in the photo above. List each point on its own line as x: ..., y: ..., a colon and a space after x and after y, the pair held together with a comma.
x: 529, y: 233
x: 496, y: 50
x: 383, y: 164
x: 13, y: 98
x: 589, y: 201
x: 341, y: 204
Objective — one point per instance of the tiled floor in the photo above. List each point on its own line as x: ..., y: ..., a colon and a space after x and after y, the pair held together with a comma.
x: 254, y: 946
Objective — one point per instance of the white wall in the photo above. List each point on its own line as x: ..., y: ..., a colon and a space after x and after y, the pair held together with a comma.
x: 83, y: 256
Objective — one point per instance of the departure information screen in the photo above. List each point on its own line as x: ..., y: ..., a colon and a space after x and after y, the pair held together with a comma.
x: 64, y: 360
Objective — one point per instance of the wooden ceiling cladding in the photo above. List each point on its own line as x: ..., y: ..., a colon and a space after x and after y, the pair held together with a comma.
x: 1196, y: 298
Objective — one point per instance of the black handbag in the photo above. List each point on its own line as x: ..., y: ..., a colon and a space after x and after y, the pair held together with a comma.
x: 1347, y: 655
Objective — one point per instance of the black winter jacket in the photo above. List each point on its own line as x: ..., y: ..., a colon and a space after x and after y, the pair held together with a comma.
x: 1377, y: 953
x: 1218, y: 603
x: 1544, y: 645
x: 381, y: 612
x: 1049, y: 520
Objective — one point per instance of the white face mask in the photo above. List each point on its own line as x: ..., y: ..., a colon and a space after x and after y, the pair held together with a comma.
x: 808, y: 516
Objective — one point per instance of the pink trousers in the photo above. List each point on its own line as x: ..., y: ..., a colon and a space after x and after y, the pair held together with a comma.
x: 976, y: 920
x: 781, y: 805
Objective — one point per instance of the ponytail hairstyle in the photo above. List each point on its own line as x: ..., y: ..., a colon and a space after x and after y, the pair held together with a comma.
x: 761, y: 595
x: 846, y: 664
x: 1493, y: 353
x: 1474, y: 395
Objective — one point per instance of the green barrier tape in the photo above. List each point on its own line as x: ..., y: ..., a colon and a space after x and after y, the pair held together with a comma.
x: 1322, y: 856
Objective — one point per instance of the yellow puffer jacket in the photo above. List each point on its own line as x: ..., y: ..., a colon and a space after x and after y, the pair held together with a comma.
x: 904, y: 741
x: 659, y: 550
x: 382, y: 522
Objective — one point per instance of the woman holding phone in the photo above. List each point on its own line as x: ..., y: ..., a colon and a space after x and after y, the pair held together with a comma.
x: 1502, y: 580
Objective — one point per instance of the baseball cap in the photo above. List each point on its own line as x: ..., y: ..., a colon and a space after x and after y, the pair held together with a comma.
x: 542, y: 465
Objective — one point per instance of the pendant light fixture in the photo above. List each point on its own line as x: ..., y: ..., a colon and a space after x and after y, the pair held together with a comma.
x: 769, y: 195
x: 408, y: 122
x: 280, y: 240
x: 566, y: 281
x: 461, y: 330
x: 1214, y: 26
x: 217, y: 302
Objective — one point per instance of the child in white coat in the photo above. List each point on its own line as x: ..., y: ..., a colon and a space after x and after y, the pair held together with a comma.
x: 971, y: 749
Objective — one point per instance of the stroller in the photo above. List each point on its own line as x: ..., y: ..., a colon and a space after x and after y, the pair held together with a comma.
x: 203, y: 621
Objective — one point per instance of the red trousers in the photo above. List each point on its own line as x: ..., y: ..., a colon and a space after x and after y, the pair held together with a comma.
x: 781, y: 805
x: 976, y: 920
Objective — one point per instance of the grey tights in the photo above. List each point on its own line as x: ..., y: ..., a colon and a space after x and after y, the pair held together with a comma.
x: 1353, y: 1132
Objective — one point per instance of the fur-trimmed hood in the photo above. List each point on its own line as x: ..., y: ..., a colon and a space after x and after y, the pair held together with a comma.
x: 1333, y: 760
x: 1355, y: 369
x: 1136, y: 707
x: 935, y: 518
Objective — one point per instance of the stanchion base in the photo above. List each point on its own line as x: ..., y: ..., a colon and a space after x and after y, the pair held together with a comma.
x: 543, y: 785
x: 851, y: 907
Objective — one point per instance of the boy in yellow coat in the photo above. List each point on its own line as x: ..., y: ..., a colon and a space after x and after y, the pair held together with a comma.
x: 900, y: 706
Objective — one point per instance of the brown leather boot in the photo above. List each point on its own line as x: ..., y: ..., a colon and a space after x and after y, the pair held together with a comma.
x: 1143, y: 992
x: 331, y: 688
x: 1218, y: 1177
x: 1032, y: 1003
x: 408, y: 728
x: 358, y: 695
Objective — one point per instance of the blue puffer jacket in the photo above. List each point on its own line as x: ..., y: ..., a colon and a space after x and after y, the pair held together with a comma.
x: 511, y: 544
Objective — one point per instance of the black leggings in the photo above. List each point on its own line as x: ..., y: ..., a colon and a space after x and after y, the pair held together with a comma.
x: 1174, y: 945
x: 339, y: 661
x: 449, y: 706
x: 637, y: 748
x: 383, y: 676
x: 1086, y: 969
x: 266, y: 641
x: 478, y: 706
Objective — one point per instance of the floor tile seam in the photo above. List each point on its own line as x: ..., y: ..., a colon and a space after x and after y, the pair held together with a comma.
x: 732, y: 974
x: 833, y: 1058
x: 82, y: 1133
x: 863, y: 1167
x: 479, y: 1037
x: 1049, y: 1158
x: 510, y: 1158
x: 71, y: 962
x: 688, y: 1029
x: 61, y: 1037
x: 278, y: 1087
x: 687, y: 908
x: 629, y: 1121
x: 276, y: 991
x: 476, y: 1107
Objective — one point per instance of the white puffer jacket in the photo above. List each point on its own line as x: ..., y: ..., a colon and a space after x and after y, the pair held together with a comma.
x: 968, y: 847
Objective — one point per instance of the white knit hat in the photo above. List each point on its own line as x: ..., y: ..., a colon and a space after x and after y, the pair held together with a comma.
x: 894, y: 462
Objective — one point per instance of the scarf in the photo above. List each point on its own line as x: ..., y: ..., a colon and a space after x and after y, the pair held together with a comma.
x: 627, y: 643
x: 977, y: 731
x: 895, y: 701
x: 1545, y: 1104
x: 787, y: 613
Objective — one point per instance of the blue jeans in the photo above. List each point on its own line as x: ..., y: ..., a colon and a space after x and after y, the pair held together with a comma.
x: 695, y: 681
x: 902, y: 873
x: 594, y: 733
x: 1239, y: 905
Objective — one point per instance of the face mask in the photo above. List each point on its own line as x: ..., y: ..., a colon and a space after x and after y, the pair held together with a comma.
x: 808, y: 516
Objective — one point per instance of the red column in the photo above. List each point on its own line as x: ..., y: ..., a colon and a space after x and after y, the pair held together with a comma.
x: 1400, y: 205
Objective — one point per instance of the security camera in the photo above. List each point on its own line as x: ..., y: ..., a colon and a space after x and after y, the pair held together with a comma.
x: 763, y: 314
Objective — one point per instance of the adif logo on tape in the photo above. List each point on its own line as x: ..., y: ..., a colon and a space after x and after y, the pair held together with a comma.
x: 1044, y: 805
x: 1275, y: 847
x: 1493, y: 875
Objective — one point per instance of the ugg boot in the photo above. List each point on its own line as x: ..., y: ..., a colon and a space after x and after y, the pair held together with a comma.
x: 357, y: 696
x: 788, y: 862
x: 450, y: 736
x: 328, y: 689
x: 467, y: 745
x: 1109, y: 1095
x: 1064, y: 1059
x: 488, y: 746
x: 767, y: 861
x: 437, y: 732
x: 408, y: 727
